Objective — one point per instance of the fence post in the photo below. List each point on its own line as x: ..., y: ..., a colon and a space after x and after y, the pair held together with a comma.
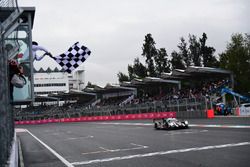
x: 6, y: 113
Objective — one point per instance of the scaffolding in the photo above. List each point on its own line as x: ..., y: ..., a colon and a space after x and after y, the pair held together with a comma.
x: 6, y: 111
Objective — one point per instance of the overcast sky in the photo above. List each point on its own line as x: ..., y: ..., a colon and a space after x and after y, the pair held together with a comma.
x: 114, y: 30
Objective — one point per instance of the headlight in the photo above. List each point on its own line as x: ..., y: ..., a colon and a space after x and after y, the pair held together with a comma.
x: 186, y: 122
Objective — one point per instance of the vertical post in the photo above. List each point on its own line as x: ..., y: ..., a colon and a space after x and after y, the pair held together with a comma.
x: 178, y: 106
x: 195, y: 102
x: 206, y: 103
x: 6, y: 114
x: 31, y: 59
x: 186, y: 104
x: 232, y: 80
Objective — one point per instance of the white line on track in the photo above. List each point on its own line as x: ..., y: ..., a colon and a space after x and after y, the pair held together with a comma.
x: 67, y: 163
x: 219, y: 126
x: 191, y: 125
x: 161, y: 153
x: 18, y: 130
x: 185, y: 132
x: 105, y: 150
x: 77, y: 138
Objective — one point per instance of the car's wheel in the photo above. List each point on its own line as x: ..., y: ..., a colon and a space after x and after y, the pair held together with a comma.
x: 156, y: 126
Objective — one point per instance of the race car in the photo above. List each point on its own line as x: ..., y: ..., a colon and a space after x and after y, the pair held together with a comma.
x: 170, y: 123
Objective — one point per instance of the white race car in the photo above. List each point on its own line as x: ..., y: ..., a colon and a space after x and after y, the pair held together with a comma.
x: 170, y: 123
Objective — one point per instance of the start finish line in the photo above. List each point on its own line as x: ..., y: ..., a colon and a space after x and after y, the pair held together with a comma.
x: 152, y: 115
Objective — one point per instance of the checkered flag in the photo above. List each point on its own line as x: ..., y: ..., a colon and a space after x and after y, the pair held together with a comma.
x: 72, y: 58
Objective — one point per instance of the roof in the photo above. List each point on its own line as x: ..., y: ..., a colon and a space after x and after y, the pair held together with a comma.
x: 45, y: 99
x: 159, y: 80
x: 94, y: 89
x: 169, y: 76
x: 137, y: 82
x: 195, y: 72
x: 5, y: 12
x: 109, y: 88
x: 180, y: 73
x: 48, y: 70
x: 80, y: 96
x: 195, y: 69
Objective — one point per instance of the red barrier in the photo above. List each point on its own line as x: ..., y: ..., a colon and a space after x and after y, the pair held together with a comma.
x: 237, y: 111
x: 103, y: 118
x: 210, y: 113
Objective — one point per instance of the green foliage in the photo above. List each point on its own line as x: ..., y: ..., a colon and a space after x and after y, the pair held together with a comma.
x: 236, y: 58
x: 122, y: 77
x: 177, y: 61
x: 184, y: 52
x: 207, y: 53
x: 161, y: 62
x: 197, y: 53
x: 149, y: 52
x: 131, y: 72
x: 194, y: 48
x: 139, y: 69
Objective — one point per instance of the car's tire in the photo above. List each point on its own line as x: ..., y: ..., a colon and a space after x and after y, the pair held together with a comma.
x: 156, y: 126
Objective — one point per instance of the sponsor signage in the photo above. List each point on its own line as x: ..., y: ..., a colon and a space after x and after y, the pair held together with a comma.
x: 102, y: 118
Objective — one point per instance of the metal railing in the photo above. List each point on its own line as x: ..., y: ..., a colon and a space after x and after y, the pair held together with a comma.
x: 185, y: 108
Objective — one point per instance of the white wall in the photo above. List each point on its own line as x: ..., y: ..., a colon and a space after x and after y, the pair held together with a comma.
x: 51, y: 82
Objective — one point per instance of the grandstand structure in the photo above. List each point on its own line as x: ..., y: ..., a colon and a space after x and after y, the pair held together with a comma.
x: 189, y: 92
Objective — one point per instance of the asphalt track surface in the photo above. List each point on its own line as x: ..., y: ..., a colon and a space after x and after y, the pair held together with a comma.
x: 208, y: 142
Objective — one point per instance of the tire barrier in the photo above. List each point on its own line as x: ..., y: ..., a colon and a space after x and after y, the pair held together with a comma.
x: 153, y: 115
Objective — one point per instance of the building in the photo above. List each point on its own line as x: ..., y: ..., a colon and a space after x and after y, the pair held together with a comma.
x: 76, y: 79
x: 50, y: 82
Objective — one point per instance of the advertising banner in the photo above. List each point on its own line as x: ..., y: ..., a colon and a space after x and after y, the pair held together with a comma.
x: 102, y: 118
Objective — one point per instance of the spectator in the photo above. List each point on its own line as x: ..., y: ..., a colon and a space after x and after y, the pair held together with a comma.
x: 14, y: 68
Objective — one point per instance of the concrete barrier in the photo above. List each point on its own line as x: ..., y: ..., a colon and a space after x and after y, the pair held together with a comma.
x: 13, y: 159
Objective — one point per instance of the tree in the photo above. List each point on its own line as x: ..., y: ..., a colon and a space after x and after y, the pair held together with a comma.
x: 236, y: 58
x: 139, y: 69
x: 149, y: 52
x: 122, y: 77
x: 177, y: 61
x: 184, y: 52
x: 161, y: 62
x: 194, y: 48
x: 131, y: 72
x: 207, y: 53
